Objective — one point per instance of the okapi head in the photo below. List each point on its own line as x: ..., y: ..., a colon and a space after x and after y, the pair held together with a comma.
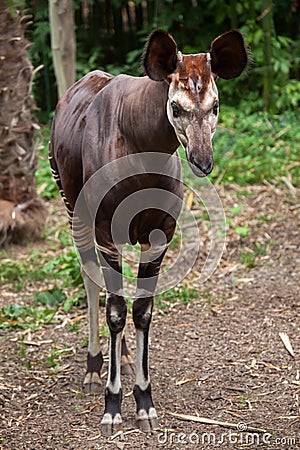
x: 193, y: 103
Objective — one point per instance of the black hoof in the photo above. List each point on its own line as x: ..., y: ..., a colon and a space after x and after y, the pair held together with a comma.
x: 112, y: 420
x: 92, y: 381
x: 146, y: 415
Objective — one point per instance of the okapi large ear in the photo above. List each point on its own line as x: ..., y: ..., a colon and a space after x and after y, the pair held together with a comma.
x: 229, y: 55
x: 159, y: 58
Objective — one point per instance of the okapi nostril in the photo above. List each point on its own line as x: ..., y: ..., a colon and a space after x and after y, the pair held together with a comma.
x: 205, y: 166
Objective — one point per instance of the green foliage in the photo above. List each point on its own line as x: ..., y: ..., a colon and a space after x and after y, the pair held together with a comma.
x: 132, y: 65
x: 243, y: 231
x: 182, y: 293
x: 40, y: 54
x: 126, y: 270
x: 20, y: 272
x: 54, y: 359
x: 272, y: 79
x: 250, y: 145
x: 65, y: 266
x: 176, y: 241
x: 104, y: 330
x: 37, y: 267
x: 111, y: 37
x: 25, y: 317
x: 249, y: 257
x: 256, y: 147
x: 51, y: 297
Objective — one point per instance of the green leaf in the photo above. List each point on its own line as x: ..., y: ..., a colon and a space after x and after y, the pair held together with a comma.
x: 51, y: 297
x: 243, y: 231
x: 236, y: 210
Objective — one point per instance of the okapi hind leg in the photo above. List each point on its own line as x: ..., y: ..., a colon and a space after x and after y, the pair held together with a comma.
x: 92, y: 381
x: 127, y: 364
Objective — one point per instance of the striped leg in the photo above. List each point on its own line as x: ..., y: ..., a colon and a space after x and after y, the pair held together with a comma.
x: 142, y: 313
x: 84, y: 241
x: 116, y: 312
x: 92, y: 382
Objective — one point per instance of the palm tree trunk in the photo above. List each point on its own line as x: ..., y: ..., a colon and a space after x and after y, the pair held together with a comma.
x: 22, y: 214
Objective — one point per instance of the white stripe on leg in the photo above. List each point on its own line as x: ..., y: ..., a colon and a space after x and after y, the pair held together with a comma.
x: 92, y: 291
x: 115, y: 385
x: 141, y: 380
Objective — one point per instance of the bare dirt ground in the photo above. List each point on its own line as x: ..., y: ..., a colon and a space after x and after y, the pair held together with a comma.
x: 220, y: 357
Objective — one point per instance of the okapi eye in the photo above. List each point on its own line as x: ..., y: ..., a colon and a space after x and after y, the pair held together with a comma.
x: 215, y: 108
x: 176, y: 110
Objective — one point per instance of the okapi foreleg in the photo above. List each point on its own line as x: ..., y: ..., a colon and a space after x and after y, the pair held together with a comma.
x: 142, y: 313
x: 145, y: 412
x: 116, y: 312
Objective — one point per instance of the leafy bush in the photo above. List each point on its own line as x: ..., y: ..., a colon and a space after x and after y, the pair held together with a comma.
x: 256, y: 147
x: 111, y: 36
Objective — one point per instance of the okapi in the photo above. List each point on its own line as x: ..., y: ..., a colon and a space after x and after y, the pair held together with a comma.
x: 103, y: 118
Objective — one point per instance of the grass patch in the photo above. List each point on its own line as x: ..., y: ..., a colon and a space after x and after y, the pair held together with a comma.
x: 182, y: 294
x: 26, y: 317
x: 249, y: 257
x: 252, y: 148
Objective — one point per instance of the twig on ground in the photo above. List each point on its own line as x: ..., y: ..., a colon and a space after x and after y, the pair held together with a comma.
x: 237, y: 426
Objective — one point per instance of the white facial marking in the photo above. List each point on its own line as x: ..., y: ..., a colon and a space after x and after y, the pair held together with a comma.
x: 183, y: 101
x: 210, y: 96
x: 194, y: 118
x: 186, y: 107
x: 195, y: 86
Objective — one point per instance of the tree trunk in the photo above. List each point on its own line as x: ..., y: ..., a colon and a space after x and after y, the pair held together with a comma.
x: 268, y: 80
x: 63, y: 44
x: 22, y: 214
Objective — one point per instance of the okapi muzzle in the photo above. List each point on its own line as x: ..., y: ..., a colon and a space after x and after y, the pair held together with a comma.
x: 101, y: 121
